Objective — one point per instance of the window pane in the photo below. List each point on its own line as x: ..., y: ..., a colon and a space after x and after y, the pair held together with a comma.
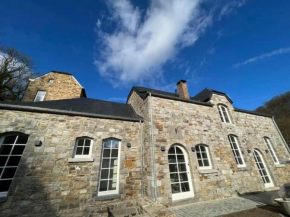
x: 104, y: 174
x: 106, y: 163
x: 8, y: 173
x: 171, y: 150
x: 206, y: 163
x: 107, y: 143
x: 9, y: 140
x: 174, y: 177
x: 172, y: 168
x: 198, y: 155
x: 267, y: 179
x: 171, y: 158
x: 80, y: 142
x: 112, y: 185
x: 175, y: 188
x: 5, y: 149
x: 204, y: 155
x: 185, y: 187
x: 114, y: 152
x: 178, y: 150
x: 22, y: 140
x: 87, y: 142
x: 103, y: 185
x: 183, y: 177
x: 3, y: 160
x: 198, y: 148
x: 79, y: 151
x: 1, y: 171
x: 200, y: 163
x: 180, y: 158
x: 114, y: 163
x: 18, y: 150
x: 13, y: 160
x: 113, y: 173
x: 106, y: 153
x: 4, y: 185
x: 181, y: 167
x: 115, y: 143
x: 86, y: 150
x: 202, y: 148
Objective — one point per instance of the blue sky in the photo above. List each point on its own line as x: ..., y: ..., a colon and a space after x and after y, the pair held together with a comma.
x: 239, y: 47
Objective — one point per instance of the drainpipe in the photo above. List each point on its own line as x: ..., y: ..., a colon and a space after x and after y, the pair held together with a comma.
x: 153, y: 149
x: 284, y: 141
x: 141, y: 142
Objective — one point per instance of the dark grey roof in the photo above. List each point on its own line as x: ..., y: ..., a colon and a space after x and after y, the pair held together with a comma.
x: 66, y: 73
x: 79, y: 106
x: 206, y: 94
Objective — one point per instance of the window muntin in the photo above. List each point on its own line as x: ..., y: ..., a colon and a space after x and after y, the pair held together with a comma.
x: 224, y: 114
x: 109, y: 176
x: 271, y: 150
x: 83, y: 147
x: 40, y: 96
x: 203, y: 159
x: 236, y: 151
x: 11, y: 150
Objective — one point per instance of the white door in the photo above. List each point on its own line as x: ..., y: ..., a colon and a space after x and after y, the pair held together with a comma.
x: 263, y: 170
x: 181, y: 185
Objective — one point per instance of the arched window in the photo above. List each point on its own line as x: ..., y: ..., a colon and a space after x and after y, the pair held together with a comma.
x: 236, y: 151
x: 224, y: 114
x: 110, y: 165
x: 271, y: 150
x: 203, y: 157
x: 83, y: 148
x: 262, y: 168
x: 181, y: 185
x: 11, y: 150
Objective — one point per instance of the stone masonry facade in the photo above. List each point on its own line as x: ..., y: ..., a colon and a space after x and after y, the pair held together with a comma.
x: 64, y: 86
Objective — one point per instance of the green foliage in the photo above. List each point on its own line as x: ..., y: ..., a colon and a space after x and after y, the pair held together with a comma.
x: 279, y: 107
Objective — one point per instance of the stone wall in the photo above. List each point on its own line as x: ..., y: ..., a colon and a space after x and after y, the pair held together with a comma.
x: 47, y: 183
x: 63, y: 87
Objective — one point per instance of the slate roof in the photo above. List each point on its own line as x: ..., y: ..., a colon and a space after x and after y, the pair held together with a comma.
x: 82, y: 106
x: 206, y: 95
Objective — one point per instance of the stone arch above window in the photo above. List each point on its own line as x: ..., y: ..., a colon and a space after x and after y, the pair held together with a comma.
x: 271, y: 149
x: 236, y: 150
x: 203, y: 156
x: 224, y: 113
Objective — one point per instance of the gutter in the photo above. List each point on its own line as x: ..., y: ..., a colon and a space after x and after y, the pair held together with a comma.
x: 284, y: 141
x: 252, y: 113
x: 153, y: 149
x: 62, y: 112
x: 142, y: 162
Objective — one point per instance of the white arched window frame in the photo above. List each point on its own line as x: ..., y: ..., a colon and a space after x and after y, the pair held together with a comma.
x: 224, y: 114
x: 203, y: 157
x: 271, y: 150
x: 236, y: 150
x: 83, y: 147
x: 11, y: 150
x: 110, y: 167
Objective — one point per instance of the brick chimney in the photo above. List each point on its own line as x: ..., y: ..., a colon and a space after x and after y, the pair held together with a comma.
x: 182, y: 89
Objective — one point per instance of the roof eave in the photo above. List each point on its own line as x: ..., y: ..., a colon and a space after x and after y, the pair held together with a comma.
x: 252, y: 113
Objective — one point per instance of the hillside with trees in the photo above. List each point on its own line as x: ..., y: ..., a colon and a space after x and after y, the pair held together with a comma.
x: 279, y: 107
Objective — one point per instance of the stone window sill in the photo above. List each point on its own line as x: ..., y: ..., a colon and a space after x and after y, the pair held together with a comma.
x: 108, y: 197
x: 279, y: 165
x: 244, y: 168
x: 78, y: 160
x: 208, y: 171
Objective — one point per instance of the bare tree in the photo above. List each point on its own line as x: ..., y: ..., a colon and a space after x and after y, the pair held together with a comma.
x: 15, y: 71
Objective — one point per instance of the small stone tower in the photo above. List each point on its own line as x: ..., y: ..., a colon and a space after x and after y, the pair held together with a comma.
x: 53, y: 86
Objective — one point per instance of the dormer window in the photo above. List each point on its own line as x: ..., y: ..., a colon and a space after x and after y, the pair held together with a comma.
x: 224, y: 114
x: 40, y: 96
x: 51, y: 81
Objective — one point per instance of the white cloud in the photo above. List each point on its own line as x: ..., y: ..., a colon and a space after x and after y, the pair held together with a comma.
x: 263, y: 56
x: 139, y: 46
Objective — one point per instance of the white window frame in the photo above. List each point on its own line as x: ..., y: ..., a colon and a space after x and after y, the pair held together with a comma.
x: 202, y: 159
x: 235, y: 138
x: 271, y: 150
x: 76, y: 146
x: 51, y: 81
x: 116, y: 191
x: 4, y: 194
x: 39, y: 93
x: 222, y: 115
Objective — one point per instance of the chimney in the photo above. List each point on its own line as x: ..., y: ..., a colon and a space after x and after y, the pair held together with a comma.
x: 182, y: 89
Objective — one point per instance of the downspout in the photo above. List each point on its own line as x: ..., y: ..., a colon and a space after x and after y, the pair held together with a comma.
x: 153, y: 148
x: 141, y: 143
x: 284, y: 141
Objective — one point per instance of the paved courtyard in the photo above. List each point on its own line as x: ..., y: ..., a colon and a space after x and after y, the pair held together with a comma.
x: 215, y: 208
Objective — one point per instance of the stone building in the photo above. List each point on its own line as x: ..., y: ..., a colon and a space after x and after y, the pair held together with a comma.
x: 86, y: 157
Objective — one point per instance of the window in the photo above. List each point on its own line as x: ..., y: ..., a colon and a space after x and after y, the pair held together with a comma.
x: 223, y: 110
x: 40, y: 96
x: 203, y: 157
x: 271, y: 150
x: 51, y: 81
x: 11, y: 150
x: 109, y: 176
x: 83, y: 148
x: 236, y: 151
